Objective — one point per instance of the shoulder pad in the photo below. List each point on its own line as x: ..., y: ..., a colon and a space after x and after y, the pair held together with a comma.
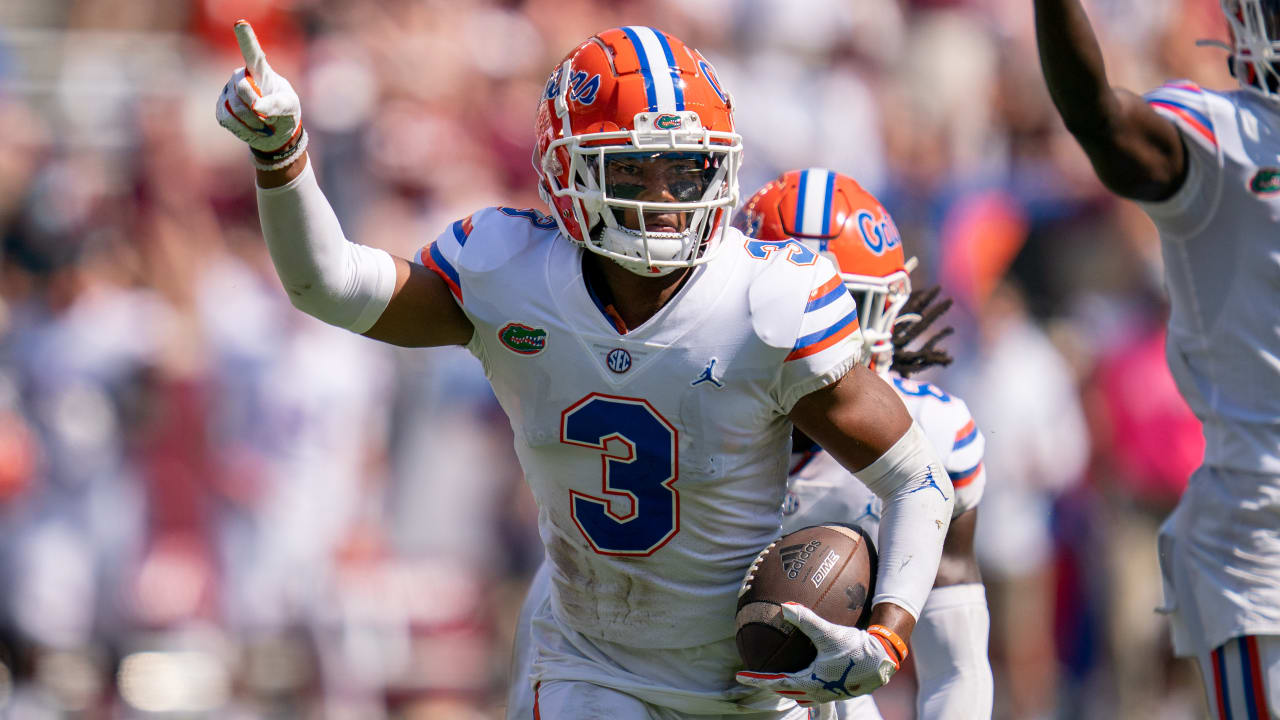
x: 498, y: 234
x: 783, y: 275
x: 484, y: 242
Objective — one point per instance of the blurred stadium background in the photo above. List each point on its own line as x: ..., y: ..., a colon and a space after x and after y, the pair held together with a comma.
x: 213, y: 506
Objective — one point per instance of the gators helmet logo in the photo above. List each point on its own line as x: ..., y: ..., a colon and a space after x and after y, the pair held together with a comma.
x: 667, y: 121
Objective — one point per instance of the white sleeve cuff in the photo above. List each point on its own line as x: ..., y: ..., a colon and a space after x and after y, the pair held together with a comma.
x: 918, y: 497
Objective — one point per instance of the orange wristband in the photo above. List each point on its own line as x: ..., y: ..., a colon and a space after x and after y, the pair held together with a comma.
x: 891, y: 640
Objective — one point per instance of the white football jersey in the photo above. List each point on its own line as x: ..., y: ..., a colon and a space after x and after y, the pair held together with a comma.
x: 1220, y: 236
x: 658, y: 457
x: 819, y: 489
x: 1221, y: 240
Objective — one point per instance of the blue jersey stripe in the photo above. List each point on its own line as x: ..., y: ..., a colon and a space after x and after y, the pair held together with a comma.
x: 956, y: 475
x: 835, y: 294
x: 675, y: 69
x: 817, y: 337
x: 966, y: 440
x: 459, y: 234
x: 1246, y: 681
x: 1199, y: 116
x: 650, y: 91
x: 444, y: 265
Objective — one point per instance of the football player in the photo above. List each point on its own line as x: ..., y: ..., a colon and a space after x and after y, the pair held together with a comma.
x: 652, y: 362
x: 834, y: 215
x: 1205, y: 166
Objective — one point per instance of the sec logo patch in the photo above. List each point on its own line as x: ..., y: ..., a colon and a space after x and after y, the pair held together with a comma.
x: 618, y: 360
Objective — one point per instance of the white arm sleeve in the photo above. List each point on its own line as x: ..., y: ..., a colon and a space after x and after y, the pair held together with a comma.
x: 917, y: 497
x: 324, y: 274
x: 950, y: 648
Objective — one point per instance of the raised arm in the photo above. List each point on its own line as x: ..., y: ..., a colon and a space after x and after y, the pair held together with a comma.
x: 1136, y: 153
x: 362, y: 289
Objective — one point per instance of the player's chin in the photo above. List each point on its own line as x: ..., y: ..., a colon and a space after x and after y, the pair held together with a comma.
x: 666, y: 223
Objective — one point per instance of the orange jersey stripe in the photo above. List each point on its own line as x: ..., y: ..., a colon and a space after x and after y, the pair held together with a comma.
x: 827, y: 287
x: 1255, y: 680
x: 424, y: 257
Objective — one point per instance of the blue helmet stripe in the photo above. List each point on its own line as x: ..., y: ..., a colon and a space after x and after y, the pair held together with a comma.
x: 826, y: 203
x: 650, y: 91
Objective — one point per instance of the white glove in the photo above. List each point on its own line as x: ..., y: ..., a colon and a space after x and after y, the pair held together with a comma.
x: 850, y: 661
x: 260, y: 107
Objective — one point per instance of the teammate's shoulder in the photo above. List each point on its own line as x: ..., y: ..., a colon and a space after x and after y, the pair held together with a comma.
x: 944, y: 415
x: 1192, y: 108
x: 932, y: 398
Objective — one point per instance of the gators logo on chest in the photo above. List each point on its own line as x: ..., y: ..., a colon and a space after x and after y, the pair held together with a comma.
x: 522, y: 339
x: 1265, y: 182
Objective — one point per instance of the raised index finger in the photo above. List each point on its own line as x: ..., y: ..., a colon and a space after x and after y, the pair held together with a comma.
x: 254, y: 59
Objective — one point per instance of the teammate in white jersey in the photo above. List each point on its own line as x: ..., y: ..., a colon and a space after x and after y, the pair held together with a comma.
x: 831, y: 213
x: 651, y: 361
x: 1205, y: 166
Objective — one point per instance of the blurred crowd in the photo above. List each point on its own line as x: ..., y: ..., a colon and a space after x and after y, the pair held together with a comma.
x: 212, y: 505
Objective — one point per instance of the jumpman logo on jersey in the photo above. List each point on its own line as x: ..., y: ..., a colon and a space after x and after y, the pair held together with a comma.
x: 836, y: 686
x: 707, y: 375
x: 868, y: 511
x: 930, y: 482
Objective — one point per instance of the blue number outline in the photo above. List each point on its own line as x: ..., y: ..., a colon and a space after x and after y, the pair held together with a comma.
x: 921, y: 389
x: 540, y: 220
x: 797, y: 252
x: 608, y: 460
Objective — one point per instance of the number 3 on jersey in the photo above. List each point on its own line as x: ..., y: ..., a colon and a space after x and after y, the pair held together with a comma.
x: 638, y: 450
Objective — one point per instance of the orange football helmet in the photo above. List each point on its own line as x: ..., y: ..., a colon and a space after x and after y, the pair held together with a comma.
x: 832, y: 214
x: 642, y: 94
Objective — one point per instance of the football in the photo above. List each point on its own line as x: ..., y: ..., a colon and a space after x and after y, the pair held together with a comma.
x: 828, y: 568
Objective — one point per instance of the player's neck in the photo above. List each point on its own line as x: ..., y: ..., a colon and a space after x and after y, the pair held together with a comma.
x: 634, y: 297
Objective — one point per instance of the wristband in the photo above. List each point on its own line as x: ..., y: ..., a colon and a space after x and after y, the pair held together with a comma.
x: 282, y: 158
x: 892, y: 639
